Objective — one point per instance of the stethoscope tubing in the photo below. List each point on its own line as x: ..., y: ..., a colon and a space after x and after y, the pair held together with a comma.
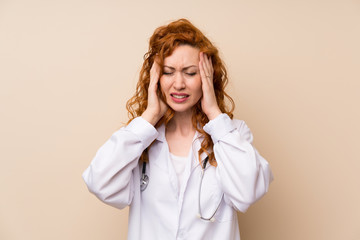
x: 144, y: 181
x: 212, y: 217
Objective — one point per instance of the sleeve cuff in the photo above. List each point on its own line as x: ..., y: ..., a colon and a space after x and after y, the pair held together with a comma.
x: 219, y: 127
x: 143, y: 129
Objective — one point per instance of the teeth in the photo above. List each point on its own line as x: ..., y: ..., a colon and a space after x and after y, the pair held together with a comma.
x: 179, y: 96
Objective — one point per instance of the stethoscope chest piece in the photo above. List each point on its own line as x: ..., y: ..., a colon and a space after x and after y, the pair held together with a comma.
x: 144, y: 181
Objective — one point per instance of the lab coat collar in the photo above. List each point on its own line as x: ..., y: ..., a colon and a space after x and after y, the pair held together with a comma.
x: 196, y: 145
x: 161, y: 135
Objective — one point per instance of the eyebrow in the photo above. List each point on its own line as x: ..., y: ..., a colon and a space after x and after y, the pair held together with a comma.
x: 185, y: 68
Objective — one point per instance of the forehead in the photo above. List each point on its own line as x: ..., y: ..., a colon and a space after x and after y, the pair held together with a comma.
x: 183, y: 56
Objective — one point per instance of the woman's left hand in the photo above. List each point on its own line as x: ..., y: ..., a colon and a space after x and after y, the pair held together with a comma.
x: 208, y: 102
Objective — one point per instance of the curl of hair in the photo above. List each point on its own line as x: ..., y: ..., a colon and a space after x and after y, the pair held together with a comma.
x: 162, y: 43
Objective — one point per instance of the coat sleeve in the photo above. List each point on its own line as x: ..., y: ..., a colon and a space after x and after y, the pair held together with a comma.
x: 243, y: 174
x: 110, y: 174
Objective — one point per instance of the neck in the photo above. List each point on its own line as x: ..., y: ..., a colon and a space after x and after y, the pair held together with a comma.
x: 181, y: 123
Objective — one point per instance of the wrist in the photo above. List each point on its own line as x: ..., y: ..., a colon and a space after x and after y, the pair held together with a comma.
x: 213, y: 114
x: 151, y: 118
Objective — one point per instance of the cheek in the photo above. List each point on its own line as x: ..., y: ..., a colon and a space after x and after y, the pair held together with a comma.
x: 198, y: 86
x: 164, y: 87
x: 163, y: 84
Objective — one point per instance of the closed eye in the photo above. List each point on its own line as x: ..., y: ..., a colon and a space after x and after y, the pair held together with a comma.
x: 167, y: 73
x: 191, y: 74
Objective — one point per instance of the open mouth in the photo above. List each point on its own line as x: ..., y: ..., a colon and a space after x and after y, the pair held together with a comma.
x: 179, y: 96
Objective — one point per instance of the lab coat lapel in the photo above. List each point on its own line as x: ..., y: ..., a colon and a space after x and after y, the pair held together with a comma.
x: 196, y: 145
x: 161, y: 158
x: 159, y: 150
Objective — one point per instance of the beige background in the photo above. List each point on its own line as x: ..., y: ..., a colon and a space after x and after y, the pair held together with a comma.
x: 67, y: 68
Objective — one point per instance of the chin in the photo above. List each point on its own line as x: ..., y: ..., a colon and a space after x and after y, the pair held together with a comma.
x: 180, y: 109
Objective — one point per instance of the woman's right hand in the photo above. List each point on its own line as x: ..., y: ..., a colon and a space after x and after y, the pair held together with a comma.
x: 156, y: 107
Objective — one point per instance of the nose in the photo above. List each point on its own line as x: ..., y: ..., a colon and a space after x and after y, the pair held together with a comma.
x: 179, y: 81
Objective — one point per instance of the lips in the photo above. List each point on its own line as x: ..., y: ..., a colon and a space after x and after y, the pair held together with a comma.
x: 179, y: 97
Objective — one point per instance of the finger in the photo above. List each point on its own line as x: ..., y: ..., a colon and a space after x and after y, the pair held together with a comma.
x: 207, y: 73
x: 206, y: 82
x: 201, y: 67
x: 207, y: 63
x: 202, y: 60
x: 210, y: 67
x: 154, y: 73
x: 203, y: 63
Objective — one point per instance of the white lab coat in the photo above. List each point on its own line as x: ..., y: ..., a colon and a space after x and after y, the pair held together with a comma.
x: 163, y: 211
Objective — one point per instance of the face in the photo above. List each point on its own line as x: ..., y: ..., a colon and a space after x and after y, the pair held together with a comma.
x: 181, y: 80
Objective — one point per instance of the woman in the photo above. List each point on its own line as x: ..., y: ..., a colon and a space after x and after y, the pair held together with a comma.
x: 182, y: 164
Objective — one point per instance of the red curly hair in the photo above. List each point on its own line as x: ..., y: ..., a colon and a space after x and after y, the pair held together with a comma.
x: 162, y: 43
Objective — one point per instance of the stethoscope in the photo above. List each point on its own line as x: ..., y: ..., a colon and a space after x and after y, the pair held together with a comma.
x: 144, y: 181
